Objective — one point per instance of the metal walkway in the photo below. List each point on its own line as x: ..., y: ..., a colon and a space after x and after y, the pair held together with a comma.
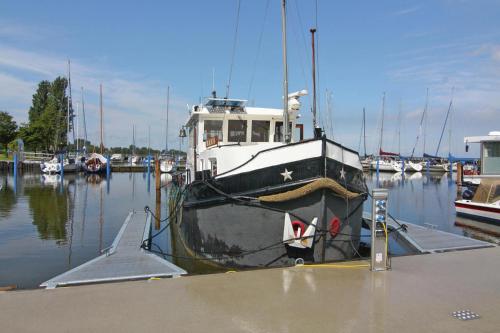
x: 429, y: 240
x: 124, y: 260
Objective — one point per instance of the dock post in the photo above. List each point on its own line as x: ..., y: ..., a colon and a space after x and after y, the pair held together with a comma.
x: 158, y: 193
x: 149, y: 171
x: 459, y: 174
x: 403, y: 168
x: 15, y: 173
x: 427, y: 165
x: 61, y: 157
x: 108, y: 173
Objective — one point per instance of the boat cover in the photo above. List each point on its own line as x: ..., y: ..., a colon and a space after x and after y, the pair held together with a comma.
x: 488, y: 191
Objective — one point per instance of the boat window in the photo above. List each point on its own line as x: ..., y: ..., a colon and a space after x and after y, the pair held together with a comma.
x: 278, y: 131
x: 213, y: 129
x: 260, y: 131
x: 491, y: 158
x: 237, y: 130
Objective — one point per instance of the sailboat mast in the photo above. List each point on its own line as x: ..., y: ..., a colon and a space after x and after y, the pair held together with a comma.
x: 166, y: 127
x: 84, y: 123
x: 425, y: 118
x: 315, y: 125
x: 68, y: 113
x: 100, y: 112
x: 399, y: 129
x: 133, y: 139
x: 364, y: 131
x: 77, y: 123
x: 382, y: 125
x: 286, y: 130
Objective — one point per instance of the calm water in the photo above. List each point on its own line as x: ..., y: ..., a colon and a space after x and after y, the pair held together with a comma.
x: 48, y: 227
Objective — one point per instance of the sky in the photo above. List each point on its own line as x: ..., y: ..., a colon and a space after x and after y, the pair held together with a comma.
x: 365, y: 49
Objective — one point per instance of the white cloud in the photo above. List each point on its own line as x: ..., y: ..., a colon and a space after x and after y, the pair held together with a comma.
x: 406, y: 11
x: 127, y: 98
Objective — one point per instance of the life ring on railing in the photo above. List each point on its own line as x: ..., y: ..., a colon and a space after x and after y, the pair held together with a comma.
x: 334, y: 227
x: 298, y: 225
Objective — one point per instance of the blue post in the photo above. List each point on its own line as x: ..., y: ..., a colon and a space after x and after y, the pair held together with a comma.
x: 15, y: 173
x: 108, y: 173
x: 61, y: 157
x: 108, y: 166
x: 451, y: 169
x: 427, y: 165
x: 149, y: 172
x: 403, y: 168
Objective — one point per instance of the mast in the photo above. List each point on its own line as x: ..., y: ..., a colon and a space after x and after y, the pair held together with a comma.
x: 364, y: 131
x: 382, y: 126
x: 77, y: 129
x: 286, y: 131
x: 399, y: 129
x: 68, y: 113
x: 166, y: 127
x: 315, y: 125
x: 84, y: 124
x: 149, y: 140
x: 100, y: 108
x: 445, y: 121
x: 425, y: 118
x: 133, y: 140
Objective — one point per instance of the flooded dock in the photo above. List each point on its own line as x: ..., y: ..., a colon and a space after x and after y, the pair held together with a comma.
x: 419, y: 294
x: 124, y: 260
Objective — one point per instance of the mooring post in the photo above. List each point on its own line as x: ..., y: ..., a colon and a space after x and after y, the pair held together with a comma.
x: 450, y: 169
x: 460, y: 174
x: 108, y: 173
x: 158, y: 193
x: 403, y: 167
x: 427, y: 165
x: 149, y: 172
x: 15, y: 173
x: 61, y: 157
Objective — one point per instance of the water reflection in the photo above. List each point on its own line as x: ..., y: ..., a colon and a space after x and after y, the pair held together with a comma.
x: 49, y: 209
x: 55, y: 223
x: 7, y: 198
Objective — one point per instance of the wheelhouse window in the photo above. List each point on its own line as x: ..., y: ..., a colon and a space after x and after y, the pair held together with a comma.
x: 278, y: 131
x: 237, y: 130
x: 491, y: 158
x: 260, y: 131
x: 213, y: 129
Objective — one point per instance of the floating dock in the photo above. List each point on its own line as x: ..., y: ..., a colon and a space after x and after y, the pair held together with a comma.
x: 419, y: 294
x: 124, y: 260
x: 429, y: 240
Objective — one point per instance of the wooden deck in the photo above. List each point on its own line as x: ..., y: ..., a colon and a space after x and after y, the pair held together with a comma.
x: 124, y: 260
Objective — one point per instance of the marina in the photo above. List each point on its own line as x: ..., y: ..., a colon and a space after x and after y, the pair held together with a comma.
x: 197, y: 166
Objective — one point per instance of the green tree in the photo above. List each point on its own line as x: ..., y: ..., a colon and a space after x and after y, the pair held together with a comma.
x: 8, y: 129
x: 47, y: 127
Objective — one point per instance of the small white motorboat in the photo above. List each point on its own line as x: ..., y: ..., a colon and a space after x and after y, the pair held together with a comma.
x: 54, y: 166
x: 484, y: 205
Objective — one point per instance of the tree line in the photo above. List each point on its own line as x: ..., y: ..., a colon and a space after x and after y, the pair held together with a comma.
x: 47, y: 129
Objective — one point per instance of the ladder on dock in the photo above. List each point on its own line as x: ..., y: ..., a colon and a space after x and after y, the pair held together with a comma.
x: 124, y: 260
x: 430, y: 240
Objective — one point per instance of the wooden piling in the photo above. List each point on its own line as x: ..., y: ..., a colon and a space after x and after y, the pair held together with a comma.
x: 158, y: 193
x: 460, y: 173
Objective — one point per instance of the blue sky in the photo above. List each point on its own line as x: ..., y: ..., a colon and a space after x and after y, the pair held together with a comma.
x: 365, y: 48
